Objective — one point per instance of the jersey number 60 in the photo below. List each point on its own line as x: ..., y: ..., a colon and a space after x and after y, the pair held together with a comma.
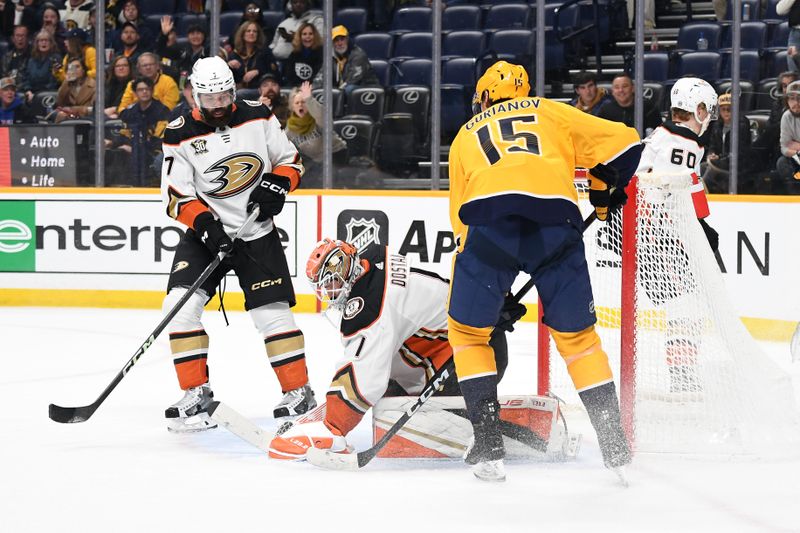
x: 509, y: 135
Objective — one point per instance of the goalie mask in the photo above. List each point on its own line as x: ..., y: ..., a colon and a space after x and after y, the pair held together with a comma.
x: 213, y: 90
x: 332, y: 268
x: 688, y: 93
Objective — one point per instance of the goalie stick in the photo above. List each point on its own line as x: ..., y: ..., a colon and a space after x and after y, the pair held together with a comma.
x: 355, y: 461
x: 71, y: 415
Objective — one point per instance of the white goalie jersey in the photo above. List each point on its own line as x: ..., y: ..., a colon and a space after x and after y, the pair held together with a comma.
x: 217, y: 168
x: 394, y: 326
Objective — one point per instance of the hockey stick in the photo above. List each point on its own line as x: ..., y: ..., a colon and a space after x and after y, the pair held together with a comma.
x: 71, y: 415
x: 354, y: 461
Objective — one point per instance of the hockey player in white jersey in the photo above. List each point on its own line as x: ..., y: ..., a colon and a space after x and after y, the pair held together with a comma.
x: 672, y: 151
x: 220, y: 160
x: 394, y: 331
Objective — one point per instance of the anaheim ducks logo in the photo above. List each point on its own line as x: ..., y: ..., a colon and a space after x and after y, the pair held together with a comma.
x: 236, y: 173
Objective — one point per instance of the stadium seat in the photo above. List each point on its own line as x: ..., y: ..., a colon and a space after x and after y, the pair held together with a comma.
x: 753, y: 9
x: 396, y: 146
x: 487, y: 4
x: 770, y: 14
x: 749, y: 66
x: 459, y: 70
x: 408, y: 19
x: 353, y: 18
x: 416, y: 100
x: 776, y: 63
x: 236, y: 6
x: 413, y: 44
x: 458, y: 18
x: 703, y: 64
x: 455, y: 109
x: 156, y: 7
x: 186, y: 20
x: 654, y: 92
x: 152, y: 23
x: 656, y: 66
x: 42, y: 102
x: 338, y: 100
x: 382, y: 70
x: 563, y: 19
x: 506, y: 16
x: 228, y: 22
x: 753, y: 36
x: 375, y: 45
x: 691, y: 32
x: 513, y: 45
x: 358, y: 133
x: 271, y: 20
x: 746, y: 93
x: 768, y: 91
x: 779, y: 37
x: 413, y: 72
x: 366, y: 101
x: 468, y: 43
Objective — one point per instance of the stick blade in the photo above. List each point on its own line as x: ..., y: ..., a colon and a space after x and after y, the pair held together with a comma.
x: 333, y: 461
x: 242, y: 427
x: 69, y: 415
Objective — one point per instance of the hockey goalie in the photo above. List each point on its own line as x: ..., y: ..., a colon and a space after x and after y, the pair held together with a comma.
x: 393, y: 324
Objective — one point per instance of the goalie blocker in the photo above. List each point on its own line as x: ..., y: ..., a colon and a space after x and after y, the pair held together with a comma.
x: 532, y: 427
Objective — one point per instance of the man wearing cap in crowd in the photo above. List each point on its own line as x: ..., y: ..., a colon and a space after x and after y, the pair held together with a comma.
x: 788, y: 164
x: 351, y: 67
x: 129, y: 44
x: 300, y: 12
x: 13, y: 109
x: 78, y: 48
x: 269, y: 88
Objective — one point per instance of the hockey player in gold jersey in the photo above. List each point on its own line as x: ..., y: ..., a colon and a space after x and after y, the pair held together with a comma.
x: 514, y: 208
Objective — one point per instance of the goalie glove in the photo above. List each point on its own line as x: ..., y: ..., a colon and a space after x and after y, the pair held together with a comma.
x: 211, y: 232
x: 269, y: 195
x: 511, y: 312
x: 293, y: 443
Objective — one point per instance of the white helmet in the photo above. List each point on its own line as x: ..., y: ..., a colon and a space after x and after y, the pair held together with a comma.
x: 688, y: 93
x: 211, y: 75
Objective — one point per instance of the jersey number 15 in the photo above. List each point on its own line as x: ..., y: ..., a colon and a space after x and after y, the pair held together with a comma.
x: 491, y: 149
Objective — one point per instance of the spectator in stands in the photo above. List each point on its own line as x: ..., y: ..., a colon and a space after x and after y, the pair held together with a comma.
x: 118, y: 75
x: 304, y: 129
x: 76, y: 13
x: 791, y: 9
x: 76, y: 95
x: 164, y: 88
x: 251, y: 13
x: 181, y: 57
x: 766, y: 148
x: 45, y: 61
x: 649, y: 13
x: 620, y: 108
x: 51, y: 21
x: 351, y: 67
x: 788, y: 165
x: 130, y: 13
x: 251, y: 58
x: 717, y: 168
x: 13, y: 109
x: 284, y: 35
x: 14, y: 13
x: 145, y: 121
x: 589, y: 97
x: 15, y: 59
x: 269, y: 88
x: 129, y: 42
x: 78, y: 48
x: 306, y: 58
x: 187, y: 103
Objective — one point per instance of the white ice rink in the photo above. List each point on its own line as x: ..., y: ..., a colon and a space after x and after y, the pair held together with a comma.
x: 121, y: 471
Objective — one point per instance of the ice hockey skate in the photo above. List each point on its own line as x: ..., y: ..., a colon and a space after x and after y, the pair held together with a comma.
x: 295, y: 402
x: 603, y: 409
x: 188, y: 414
x: 486, y: 450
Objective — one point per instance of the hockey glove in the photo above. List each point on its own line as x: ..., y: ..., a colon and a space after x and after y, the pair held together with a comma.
x: 269, y: 195
x: 618, y: 199
x: 211, y: 232
x: 600, y: 197
x: 711, y: 235
x: 510, y: 313
x: 605, y: 173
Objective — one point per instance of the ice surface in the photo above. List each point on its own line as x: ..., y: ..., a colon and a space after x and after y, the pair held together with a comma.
x: 121, y: 471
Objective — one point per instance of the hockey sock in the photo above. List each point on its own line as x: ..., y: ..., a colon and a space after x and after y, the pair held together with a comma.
x: 190, y: 356
x: 286, y: 352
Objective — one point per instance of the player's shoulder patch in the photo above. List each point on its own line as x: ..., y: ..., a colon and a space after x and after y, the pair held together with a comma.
x: 366, y: 302
x: 253, y: 103
x: 177, y: 123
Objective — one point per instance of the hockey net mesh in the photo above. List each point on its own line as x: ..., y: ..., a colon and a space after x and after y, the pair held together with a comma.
x: 702, y: 384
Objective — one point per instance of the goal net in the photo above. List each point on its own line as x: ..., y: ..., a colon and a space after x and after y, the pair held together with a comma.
x: 691, y: 378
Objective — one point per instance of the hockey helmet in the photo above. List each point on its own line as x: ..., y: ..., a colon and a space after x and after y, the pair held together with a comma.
x: 688, y: 93
x: 213, y: 87
x: 503, y: 80
x: 331, y: 269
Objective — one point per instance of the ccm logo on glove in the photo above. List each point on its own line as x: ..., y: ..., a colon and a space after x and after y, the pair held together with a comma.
x: 269, y: 195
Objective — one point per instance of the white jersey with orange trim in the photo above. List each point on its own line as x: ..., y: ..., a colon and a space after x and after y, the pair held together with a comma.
x: 207, y: 168
x: 675, y: 149
x: 394, y: 326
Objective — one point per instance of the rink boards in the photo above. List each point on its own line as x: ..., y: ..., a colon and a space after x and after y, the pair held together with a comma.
x: 113, y: 248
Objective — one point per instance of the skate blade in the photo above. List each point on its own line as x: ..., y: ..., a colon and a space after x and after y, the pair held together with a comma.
x: 619, y: 471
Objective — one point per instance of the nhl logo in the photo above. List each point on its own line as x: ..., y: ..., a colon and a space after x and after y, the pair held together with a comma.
x: 199, y: 146
x: 362, y: 232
